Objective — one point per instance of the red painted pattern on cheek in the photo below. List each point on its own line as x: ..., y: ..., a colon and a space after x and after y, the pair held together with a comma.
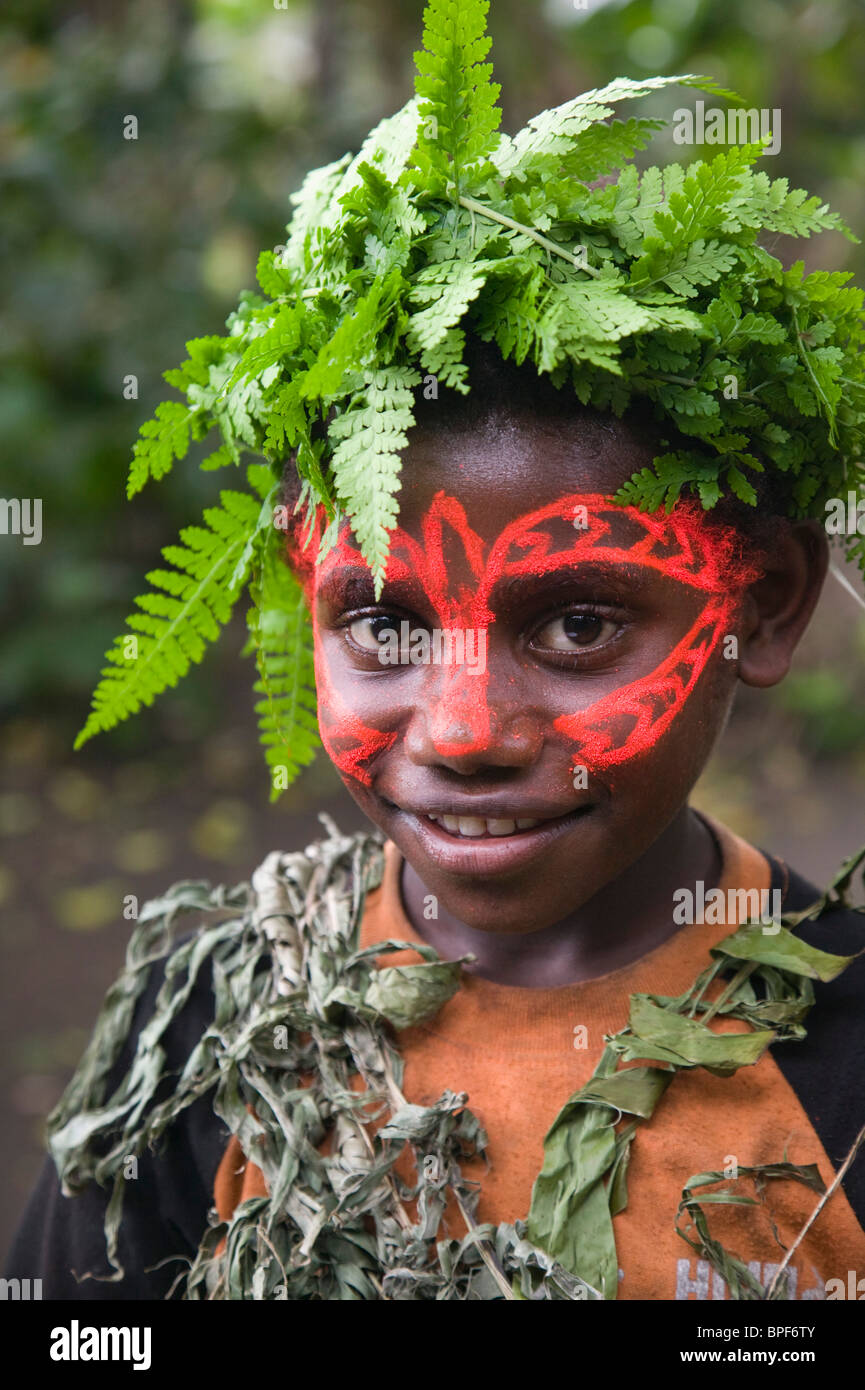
x: 458, y: 714
x: 350, y: 743
x: 628, y: 723
x: 618, y: 727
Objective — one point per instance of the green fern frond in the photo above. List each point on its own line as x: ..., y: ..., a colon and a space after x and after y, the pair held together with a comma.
x: 281, y: 633
x: 601, y: 147
x: 447, y: 289
x: 663, y: 484
x: 186, y: 609
x: 553, y: 132
x: 712, y: 196
x: 203, y: 352
x: 286, y: 421
x: 459, y: 118
x: 773, y: 206
x: 312, y: 202
x: 281, y: 339
x: 368, y: 441
x: 220, y: 458
x: 274, y: 275
x: 510, y: 310
x: 445, y: 361
x: 382, y: 218
x: 387, y: 147
x: 161, y: 440
x: 686, y: 269
x: 354, y: 342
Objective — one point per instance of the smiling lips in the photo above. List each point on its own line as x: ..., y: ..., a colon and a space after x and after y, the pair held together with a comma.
x: 484, y: 846
x: 472, y: 827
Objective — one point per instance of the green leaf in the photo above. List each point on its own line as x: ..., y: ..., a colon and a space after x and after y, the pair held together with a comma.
x: 635, y: 1091
x: 387, y: 148
x: 570, y: 1215
x: 772, y: 206
x: 353, y: 344
x: 410, y: 994
x: 685, y: 270
x: 278, y: 341
x: 458, y: 116
x: 160, y: 441
x: 447, y: 288
x: 784, y: 950
x: 741, y: 1282
x: 203, y: 352
x: 368, y: 442
x: 280, y: 626
x: 445, y: 361
x: 599, y: 312
x: 312, y: 203
x: 553, y: 132
x: 664, y: 1036
x: 186, y: 609
x: 220, y: 458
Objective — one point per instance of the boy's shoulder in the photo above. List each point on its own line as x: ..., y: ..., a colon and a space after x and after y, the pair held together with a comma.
x: 155, y: 1097
x: 826, y: 1070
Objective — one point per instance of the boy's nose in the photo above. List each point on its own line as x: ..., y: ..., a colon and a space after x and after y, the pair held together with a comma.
x: 464, y: 730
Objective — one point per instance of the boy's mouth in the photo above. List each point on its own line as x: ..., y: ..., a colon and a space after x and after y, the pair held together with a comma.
x: 490, y: 844
x: 476, y: 827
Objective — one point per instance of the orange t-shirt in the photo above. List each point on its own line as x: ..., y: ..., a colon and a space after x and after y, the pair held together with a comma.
x: 513, y: 1050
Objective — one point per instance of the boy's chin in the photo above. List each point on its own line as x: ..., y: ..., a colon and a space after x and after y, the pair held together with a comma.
x: 499, y: 907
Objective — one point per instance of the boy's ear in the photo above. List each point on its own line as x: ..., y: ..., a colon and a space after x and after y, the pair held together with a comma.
x: 778, y: 607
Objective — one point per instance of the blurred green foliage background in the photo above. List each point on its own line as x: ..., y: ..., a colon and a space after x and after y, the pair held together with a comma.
x: 116, y: 252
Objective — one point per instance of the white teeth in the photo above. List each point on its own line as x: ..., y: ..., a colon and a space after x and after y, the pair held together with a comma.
x: 471, y: 825
x: 474, y: 826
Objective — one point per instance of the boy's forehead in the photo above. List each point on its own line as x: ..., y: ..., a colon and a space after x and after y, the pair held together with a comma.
x: 515, y: 464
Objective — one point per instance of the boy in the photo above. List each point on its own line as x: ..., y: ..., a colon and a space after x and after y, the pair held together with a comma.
x: 309, y: 1055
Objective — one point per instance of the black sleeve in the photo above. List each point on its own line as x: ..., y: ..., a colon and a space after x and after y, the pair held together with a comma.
x: 827, y: 1069
x: 165, y: 1207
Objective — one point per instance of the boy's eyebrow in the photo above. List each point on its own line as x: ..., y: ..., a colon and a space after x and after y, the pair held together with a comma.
x: 351, y: 586
x: 615, y: 578
x: 348, y: 586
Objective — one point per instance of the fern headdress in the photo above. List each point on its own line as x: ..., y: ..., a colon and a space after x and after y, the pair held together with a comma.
x: 551, y: 244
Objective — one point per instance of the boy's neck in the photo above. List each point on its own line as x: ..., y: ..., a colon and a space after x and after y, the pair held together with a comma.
x: 627, y: 919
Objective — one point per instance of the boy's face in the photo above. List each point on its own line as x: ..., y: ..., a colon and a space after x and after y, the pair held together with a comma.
x: 527, y: 706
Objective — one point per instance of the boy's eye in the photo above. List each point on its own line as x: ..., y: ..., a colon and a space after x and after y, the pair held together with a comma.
x: 367, y: 633
x: 572, y: 632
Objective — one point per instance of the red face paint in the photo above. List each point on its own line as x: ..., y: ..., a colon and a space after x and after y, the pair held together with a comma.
x: 458, y: 573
